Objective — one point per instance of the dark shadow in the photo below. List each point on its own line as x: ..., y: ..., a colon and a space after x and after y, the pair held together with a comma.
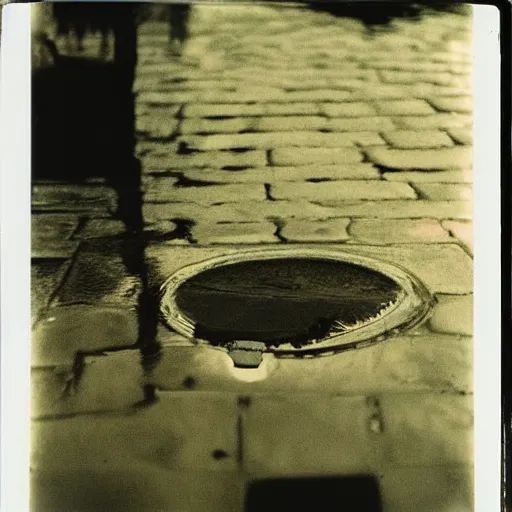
x: 178, y: 24
x: 346, y: 494
x: 83, y: 117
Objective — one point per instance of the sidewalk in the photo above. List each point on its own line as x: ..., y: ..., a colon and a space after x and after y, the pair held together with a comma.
x: 285, y: 126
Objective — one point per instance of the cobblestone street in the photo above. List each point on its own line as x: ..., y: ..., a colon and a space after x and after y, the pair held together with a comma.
x: 276, y: 126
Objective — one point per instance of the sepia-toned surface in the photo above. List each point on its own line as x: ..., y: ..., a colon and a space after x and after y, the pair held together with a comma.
x: 276, y: 126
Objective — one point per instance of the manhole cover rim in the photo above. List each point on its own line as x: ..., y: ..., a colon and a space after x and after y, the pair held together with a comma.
x: 413, y: 307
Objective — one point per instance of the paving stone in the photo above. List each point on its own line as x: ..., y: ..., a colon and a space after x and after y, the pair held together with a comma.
x: 342, y: 191
x: 105, y: 272
x: 420, y: 90
x: 391, y: 231
x: 378, y: 124
x: 285, y: 156
x: 428, y: 429
x: 178, y: 432
x: 455, y: 276
x: 268, y: 140
x: 107, y: 383
x: 449, y: 488
x: 463, y: 104
x: 406, y: 77
x: 162, y: 192
x: 435, y: 63
x: 73, y: 198
x: 424, y: 139
x: 353, y: 109
x: 434, y: 363
x: 448, y: 191
x: 53, y: 226
x: 433, y: 159
x: 242, y: 211
x: 319, y: 95
x: 465, y: 176
x: 403, y: 108
x: 45, y: 275
x: 101, y: 228
x: 54, y: 250
x: 438, y: 121
x: 212, y: 159
x: 157, y: 125
x: 284, y: 435
x: 453, y: 314
x: 290, y: 123
x: 243, y: 233
x: 51, y: 233
x: 135, y: 488
x: 461, y: 135
x: 64, y: 331
x: 274, y: 140
x: 332, y: 230
x: 198, y: 125
x: 400, y: 209
x: 463, y: 231
x: 286, y: 174
x: 243, y: 109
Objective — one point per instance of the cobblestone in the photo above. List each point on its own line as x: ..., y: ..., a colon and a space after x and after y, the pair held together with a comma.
x: 268, y: 140
x: 343, y: 191
x: 463, y: 231
x: 157, y: 124
x: 465, y: 176
x: 361, y: 124
x: 325, y: 156
x: 290, y: 123
x: 351, y: 109
x: 438, y: 159
x: 285, y: 174
x: 393, y: 231
x: 461, y: 135
x: 73, y: 198
x: 440, y: 192
x: 404, y: 108
x: 332, y: 230
x: 242, y: 211
x: 212, y: 159
x: 242, y: 233
x: 453, y: 314
x: 422, y: 139
x: 400, y: 209
x: 198, y: 125
x: 163, y: 191
x: 439, y: 121
x: 242, y: 110
x: 463, y: 104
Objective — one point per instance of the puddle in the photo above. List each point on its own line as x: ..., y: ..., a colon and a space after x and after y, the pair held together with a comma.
x: 292, y: 299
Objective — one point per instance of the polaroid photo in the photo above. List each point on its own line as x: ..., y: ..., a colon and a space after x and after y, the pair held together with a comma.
x: 264, y: 252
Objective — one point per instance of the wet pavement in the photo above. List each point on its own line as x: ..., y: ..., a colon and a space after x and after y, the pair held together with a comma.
x: 276, y: 127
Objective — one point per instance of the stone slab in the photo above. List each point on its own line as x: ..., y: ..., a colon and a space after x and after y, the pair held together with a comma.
x: 453, y: 314
x: 137, y: 488
x: 106, y: 272
x: 346, y: 190
x: 178, y: 431
x: 393, y: 231
x: 64, y: 331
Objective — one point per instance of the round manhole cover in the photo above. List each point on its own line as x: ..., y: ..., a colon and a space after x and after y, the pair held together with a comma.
x: 293, y: 301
